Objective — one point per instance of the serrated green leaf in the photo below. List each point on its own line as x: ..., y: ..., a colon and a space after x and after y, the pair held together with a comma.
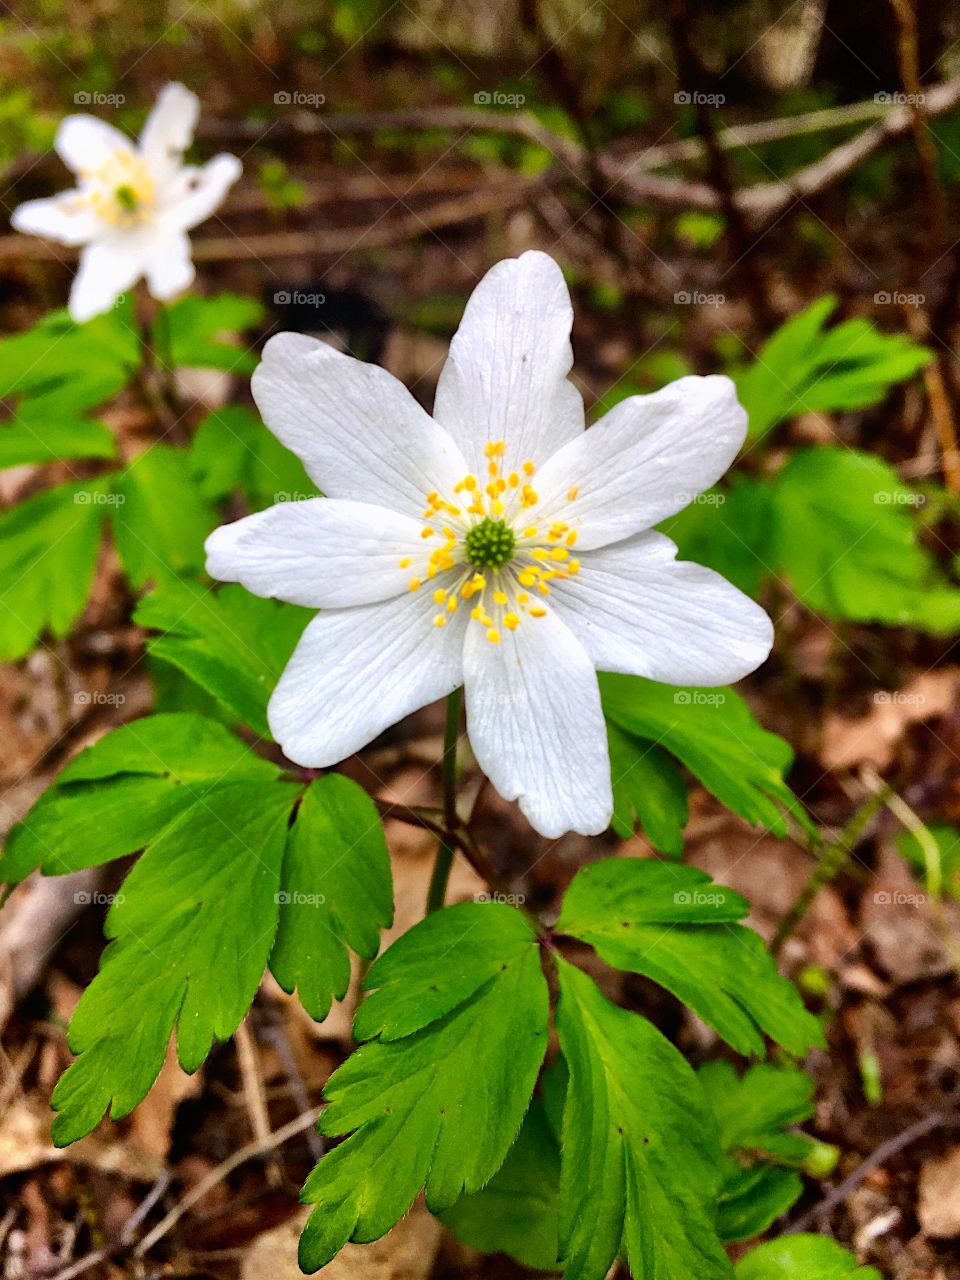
x: 336, y: 891
x: 647, y: 788
x: 48, y: 553
x: 752, y: 1199
x: 640, y: 1156
x: 72, y: 366
x: 232, y: 644
x: 846, y: 540
x: 191, y: 932
x: 429, y: 971
x: 160, y: 519
x: 39, y: 432
x: 193, y: 332
x: 804, y: 368
x: 517, y: 1212
x: 714, y: 733
x: 437, y: 1109
x: 802, y: 1258
x: 119, y: 794
x: 673, y: 925
x: 232, y: 450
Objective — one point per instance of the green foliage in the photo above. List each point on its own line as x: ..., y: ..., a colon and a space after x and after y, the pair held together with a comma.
x: 672, y: 924
x: 191, y: 933
x: 474, y: 1053
x: 241, y: 867
x: 152, y: 545
x: 48, y: 553
x: 335, y: 893
x: 647, y: 788
x: 754, y: 1113
x: 844, y: 537
x: 714, y: 733
x: 730, y: 530
x: 806, y: 368
x: 640, y: 1154
x: 198, y: 332
x: 38, y: 433
x: 517, y: 1212
x: 947, y: 869
x: 232, y: 450
x: 231, y: 644
x: 802, y: 1258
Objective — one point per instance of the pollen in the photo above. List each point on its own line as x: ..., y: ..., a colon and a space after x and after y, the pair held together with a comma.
x: 572, y: 494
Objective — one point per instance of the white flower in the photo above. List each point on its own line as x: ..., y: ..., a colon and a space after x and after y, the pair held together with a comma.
x: 496, y: 545
x: 133, y: 203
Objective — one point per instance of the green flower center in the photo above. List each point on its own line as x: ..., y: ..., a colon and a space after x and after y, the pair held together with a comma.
x: 490, y: 544
x: 126, y: 197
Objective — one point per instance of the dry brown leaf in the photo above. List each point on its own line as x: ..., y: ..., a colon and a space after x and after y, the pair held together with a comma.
x: 938, y: 1200
x: 873, y: 738
x: 405, y: 1253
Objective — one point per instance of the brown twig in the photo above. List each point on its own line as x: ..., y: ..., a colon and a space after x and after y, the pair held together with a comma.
x: 908, y: 60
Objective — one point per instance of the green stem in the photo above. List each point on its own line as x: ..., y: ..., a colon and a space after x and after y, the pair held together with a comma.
x: 832, y: 860
x: 445, y: 848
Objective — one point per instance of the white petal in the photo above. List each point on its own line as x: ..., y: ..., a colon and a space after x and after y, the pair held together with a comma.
x: 359, y: 431
x: 355, y: 672
x: 196, y: 193
x: 169, y: 269
x: 506, y: 374
x: 323, y: 552
x: 636, y: 609
x: 536, y: 727
x: 84, y: 142
x: 169, y: 130
x: 646, y: 459
x: 106, y: 270
x: 66, y: 218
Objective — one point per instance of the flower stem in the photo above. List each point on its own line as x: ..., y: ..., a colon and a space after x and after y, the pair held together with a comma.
x: 445, y: 848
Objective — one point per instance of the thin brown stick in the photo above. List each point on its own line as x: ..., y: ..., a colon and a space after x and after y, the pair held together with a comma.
x: 253, y: 1092
x: 908, y: 59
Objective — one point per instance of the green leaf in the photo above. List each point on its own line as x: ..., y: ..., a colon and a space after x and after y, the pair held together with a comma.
x: 647, y: 788
x: 754, y: 1113
x: 192, y: 333
x: 48, y: 553
x: 161, y: 518
x: 191, y: 932
x: 672, y: 924
x: 232, y: 644
x: 802, y: 1258
x: 39, y: 432
x: 517, y: 1212
x: 438, y: 1108
x: 728, y: 529
x: 71, y: 366
x: 119, y: 794
x: 714, y: 733
x: 845, y: 538
x: 947, y: 840
x: 640, y: 1157
x: 232, y: 450
x: 755, y: 1110
x: 336, y: 890
x: 805, y: 368
x: 752, y: 1199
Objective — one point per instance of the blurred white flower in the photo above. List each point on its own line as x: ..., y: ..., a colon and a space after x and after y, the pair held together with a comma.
x: 497, y: 545
x: 133, y: 203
